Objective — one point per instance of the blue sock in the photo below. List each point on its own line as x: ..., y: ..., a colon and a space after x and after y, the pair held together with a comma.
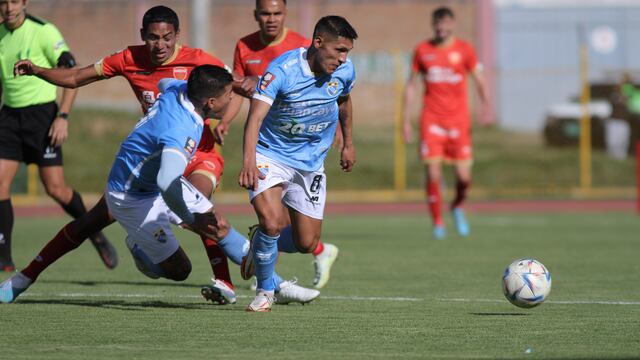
x: 277, y: 280
x: 234, y: 246
x: 285, y: 243
x: 265, y: 255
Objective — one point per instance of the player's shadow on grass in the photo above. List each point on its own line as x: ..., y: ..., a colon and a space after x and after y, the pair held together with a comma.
x: 118, y: 282
x: 498, y: 314
x: 129, y: 306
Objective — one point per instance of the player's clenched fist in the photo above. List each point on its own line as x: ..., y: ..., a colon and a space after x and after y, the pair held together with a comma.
x: 25, y: 67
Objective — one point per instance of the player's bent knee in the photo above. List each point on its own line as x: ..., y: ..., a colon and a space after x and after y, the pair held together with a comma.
x: 179, y: 273
x: 177, y: 267
x: 308, y: 245
x: 270, y: 227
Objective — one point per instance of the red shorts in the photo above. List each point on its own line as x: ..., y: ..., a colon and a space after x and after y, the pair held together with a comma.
x: 448, y: 143
x: 209, y: 164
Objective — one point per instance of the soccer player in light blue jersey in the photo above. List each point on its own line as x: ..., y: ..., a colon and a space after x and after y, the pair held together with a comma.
x: 146, y: 191
x: 290, y: 127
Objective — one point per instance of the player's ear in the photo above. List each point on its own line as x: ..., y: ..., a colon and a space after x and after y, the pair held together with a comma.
x: 255, y: 15
x: 142, y: 37
x: 318, y: 41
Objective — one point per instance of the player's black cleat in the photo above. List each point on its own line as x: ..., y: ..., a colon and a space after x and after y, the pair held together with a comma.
x: 105, y: 249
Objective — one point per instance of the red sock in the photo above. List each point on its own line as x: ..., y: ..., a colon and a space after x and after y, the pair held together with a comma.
x: 61, y: 244
x: 434, y: 200
x: 218, y: 261
x: 319, y: 248
x: 462, y: 187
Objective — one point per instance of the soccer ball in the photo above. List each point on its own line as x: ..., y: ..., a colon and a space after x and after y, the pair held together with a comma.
x: 526, y: 283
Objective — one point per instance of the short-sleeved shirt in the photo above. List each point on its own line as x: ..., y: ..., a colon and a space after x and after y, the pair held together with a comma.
x: 134, y: 64
x: 38, y: 41
x: 301, y: 123
x: 170, y: 123
x: 253, y: 54
x: 444, y: 71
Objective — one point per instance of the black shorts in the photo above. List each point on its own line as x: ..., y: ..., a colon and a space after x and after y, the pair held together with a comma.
x: 24, y: 134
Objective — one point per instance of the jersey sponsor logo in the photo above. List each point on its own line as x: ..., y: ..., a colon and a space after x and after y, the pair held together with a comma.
x: 254, y: 61
x: 439, y: 74
x: 190, y: 145
x: 332, y: 87
x: 455, y: 57
x: 293, y: 128
x: 266, y: 80
x: 180, y: 73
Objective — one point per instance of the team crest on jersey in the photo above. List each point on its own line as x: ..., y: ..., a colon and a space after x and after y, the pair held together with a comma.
x: 180, y: 73
x: 190, y: 145
x: 454, y: 57
x: 266, y: 80
x: 332, y: 88
x: 160, y: 236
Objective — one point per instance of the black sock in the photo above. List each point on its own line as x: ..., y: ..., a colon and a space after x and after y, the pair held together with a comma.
x: 75, y: 207
x: 6, y: 226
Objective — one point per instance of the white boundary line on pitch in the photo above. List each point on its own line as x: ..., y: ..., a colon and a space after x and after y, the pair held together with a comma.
x: 347, y: 298
x: 561, y: 302
x: 165, y: 296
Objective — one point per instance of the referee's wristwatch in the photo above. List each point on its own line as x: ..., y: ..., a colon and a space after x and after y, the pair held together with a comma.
x: 63, y: 115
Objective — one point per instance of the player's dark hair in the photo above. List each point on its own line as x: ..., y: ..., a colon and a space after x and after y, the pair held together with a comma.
x: 160, y: 14
x: 335, y: 26
x: 442, y: 12
x: 258, y: 3
x: 206, y: 81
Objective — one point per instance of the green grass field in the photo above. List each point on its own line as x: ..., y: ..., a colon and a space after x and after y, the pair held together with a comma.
x: 394, y: 293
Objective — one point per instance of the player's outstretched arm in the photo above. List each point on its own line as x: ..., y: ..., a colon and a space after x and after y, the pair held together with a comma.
x: 68, y: 78
x: 345, y: 115
x: 249, y: 174
x: 409, y: 98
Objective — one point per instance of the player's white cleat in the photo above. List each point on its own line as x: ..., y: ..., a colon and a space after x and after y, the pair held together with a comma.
x: 323, y: 263
x: 291, y: 292
x: 246, y: 266
x: 11, y: 288
x: 262, y: 302
x: 219, y: 292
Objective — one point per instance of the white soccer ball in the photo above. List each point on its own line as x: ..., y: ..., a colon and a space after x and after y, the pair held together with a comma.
x: 526, y: 283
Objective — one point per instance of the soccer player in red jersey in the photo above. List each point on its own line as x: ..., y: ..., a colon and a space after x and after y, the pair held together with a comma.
x: 445, y: 127
x: 143, y: 66
x: 252, y: 56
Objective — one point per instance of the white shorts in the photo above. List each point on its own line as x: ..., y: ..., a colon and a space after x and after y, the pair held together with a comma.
x: 303, y: 191
x: 147, y: 219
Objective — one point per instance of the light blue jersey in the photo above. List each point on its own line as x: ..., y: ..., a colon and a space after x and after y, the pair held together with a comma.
x: 170, y: 123
x: 301, y: 124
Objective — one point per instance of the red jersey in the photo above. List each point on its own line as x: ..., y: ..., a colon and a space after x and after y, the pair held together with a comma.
x: 445, y: 71
x: 252, y: 56
x: 134, y: 63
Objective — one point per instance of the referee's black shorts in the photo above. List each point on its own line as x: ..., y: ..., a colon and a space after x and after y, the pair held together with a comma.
x: 24, y: 134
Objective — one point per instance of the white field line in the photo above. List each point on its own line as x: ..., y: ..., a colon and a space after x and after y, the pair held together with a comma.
x: 561, y: 302
x: 165, y: 296
x: 341, y: 298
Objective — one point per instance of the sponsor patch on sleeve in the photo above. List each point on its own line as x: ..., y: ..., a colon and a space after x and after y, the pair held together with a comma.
x: 266, y: 80
x: 190, y: 145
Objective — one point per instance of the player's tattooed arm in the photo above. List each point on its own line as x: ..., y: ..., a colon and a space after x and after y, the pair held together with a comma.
x: 345, y: 115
